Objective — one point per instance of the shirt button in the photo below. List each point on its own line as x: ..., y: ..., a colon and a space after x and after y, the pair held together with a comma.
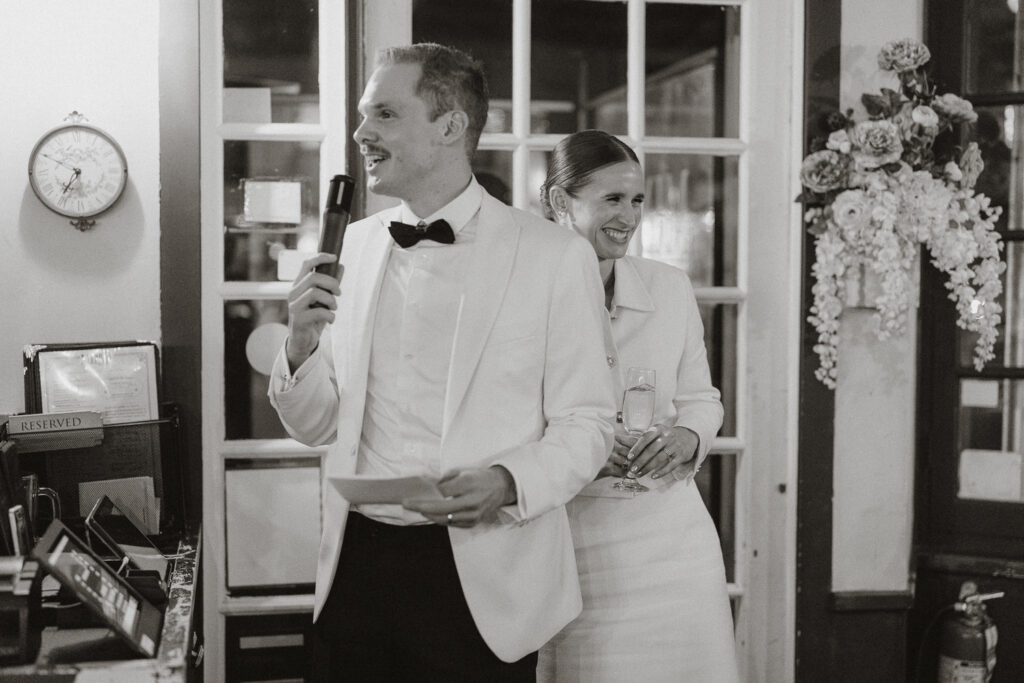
x: 611, y: 361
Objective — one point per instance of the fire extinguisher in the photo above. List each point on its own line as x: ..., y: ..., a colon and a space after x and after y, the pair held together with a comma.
x: 967, y: 650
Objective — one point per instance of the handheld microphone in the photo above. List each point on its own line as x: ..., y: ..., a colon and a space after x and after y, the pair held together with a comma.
x: 336, y: 217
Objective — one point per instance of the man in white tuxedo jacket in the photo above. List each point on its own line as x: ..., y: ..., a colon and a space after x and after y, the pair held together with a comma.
x: 463, y: 341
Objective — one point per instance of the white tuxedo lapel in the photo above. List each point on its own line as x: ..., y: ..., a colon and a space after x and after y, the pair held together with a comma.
x: 367, y: 273
x: 486, y: 282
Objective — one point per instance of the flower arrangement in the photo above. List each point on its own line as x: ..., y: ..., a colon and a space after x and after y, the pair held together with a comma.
x: 878, y: 189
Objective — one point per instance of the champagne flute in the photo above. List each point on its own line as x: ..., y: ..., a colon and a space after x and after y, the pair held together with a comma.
x: 637, y: 415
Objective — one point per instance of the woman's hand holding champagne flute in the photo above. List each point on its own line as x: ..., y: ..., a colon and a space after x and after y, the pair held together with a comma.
x: 637, y: 415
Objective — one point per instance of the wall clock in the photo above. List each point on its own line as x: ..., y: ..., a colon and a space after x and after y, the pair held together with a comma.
x: 77, y: 170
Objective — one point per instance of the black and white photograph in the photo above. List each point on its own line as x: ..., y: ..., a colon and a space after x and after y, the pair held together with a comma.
x: 537, y: 341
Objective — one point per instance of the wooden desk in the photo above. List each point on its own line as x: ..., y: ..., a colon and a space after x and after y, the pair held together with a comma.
x: 91, y: 655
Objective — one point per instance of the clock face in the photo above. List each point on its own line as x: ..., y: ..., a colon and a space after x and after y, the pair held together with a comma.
x: 77, y: 170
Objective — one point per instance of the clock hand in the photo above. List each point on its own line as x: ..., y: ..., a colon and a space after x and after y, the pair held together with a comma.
x: 71, y: 180
x: 66, y: 165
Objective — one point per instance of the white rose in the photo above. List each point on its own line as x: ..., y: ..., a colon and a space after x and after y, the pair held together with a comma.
x: 954, y: 108
x: 839, y: 140
x: 924, y: 115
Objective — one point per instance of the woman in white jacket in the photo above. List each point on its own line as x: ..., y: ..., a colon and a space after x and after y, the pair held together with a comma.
x: 655, y: 606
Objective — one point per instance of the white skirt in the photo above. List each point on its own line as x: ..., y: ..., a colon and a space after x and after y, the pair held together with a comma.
x: 655, y: 605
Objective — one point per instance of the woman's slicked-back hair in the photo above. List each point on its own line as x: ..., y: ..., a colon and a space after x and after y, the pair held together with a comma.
x: 576, y: 158
x: 451, y: 79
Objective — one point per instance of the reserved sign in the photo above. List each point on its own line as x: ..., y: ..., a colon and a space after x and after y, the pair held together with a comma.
x: 53, y: 422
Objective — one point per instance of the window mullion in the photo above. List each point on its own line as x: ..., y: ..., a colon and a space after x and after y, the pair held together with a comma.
x: 635, y: 78
x: 635, y: 95
x: 520, y: 101
x: 335, y: 143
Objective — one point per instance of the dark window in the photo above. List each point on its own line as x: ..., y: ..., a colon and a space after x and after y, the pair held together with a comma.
x: 971, y: 422
x: 969, y: 512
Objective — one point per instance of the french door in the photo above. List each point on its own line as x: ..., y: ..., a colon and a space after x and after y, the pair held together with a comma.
x: 703, y: 91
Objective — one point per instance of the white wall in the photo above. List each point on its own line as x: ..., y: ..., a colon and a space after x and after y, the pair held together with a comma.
x: 873, y: 503
x: 58, y: 284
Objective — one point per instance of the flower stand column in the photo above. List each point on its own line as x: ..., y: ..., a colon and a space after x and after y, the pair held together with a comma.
x: 874, y: 436
x: 884, y: 189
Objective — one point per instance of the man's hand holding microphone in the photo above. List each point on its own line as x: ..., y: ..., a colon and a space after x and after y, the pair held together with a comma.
x: 312, y: 299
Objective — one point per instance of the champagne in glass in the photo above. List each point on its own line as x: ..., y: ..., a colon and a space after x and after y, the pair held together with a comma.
x: 638, y: 408
x: 637, y: 415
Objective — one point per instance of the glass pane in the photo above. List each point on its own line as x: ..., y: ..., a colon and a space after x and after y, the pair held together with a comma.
x: 271, y: 61
x: 254, y: 331
x: 720, y: 341
x: 990, y: 45
x: 691, y: 63
x: 577, y: 66
x: 493, y: 170
x: 991, y: 440
x: 1009, y: 348
x: 690, y: 215
x: 482, y: 28
x: 994, y: 133
x: 716, y: 482
x: 271, y: 202
x: 536, y: 175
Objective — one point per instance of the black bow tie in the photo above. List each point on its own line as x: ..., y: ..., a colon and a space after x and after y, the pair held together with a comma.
x: 407, y: 235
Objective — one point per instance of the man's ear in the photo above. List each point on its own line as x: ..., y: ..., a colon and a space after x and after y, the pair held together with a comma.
x: 455, y: 126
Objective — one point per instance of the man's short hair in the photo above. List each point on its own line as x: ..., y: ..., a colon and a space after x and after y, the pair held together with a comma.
x: 450, y: 79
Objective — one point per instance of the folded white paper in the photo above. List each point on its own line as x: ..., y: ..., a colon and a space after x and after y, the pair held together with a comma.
x: 370, y: 490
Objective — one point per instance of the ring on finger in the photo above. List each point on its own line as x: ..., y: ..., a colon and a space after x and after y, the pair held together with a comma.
x: 449, y: 518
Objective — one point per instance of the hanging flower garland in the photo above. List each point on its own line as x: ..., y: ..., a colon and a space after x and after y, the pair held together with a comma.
x: 878, y: 190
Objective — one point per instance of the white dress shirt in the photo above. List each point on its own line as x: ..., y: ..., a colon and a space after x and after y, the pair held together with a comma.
x: 413, y: 334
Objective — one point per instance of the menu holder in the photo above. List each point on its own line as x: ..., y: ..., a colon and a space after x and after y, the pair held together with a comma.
x: 119, y: 380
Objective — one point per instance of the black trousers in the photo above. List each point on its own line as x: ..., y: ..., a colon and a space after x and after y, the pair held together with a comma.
x: 396, y: 612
